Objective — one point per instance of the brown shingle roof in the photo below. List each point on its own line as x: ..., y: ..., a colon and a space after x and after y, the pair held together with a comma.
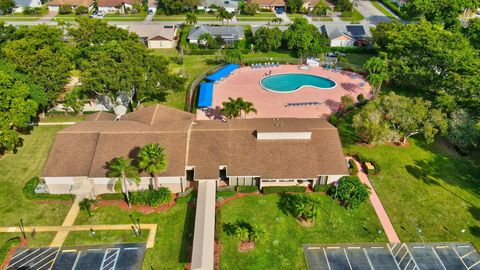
x: 234, y: 144
x: 114, y: 3
x: 85, y: 3
x: 84, y: 148
x: 268, y: 2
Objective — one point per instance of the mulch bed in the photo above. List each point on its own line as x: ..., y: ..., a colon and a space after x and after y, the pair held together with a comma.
x: 246, y: 246
x: 145, y: 209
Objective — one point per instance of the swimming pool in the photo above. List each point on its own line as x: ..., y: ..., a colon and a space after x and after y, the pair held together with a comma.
x: 291, y: 82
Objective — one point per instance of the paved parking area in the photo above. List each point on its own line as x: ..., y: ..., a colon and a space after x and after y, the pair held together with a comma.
x: 409, y: 256
x: 121, y: 257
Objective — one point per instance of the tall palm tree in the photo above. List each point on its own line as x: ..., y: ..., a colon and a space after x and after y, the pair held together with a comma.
x: 224, y: 15
x: 124, y: 172
x: 191, y: 18
x: 153, y: 160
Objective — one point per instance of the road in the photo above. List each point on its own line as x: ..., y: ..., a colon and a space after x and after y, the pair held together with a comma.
x: 372, y: 15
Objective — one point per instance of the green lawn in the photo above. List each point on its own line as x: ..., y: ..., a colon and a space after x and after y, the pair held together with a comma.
x: 16, y: 170
x: 172, y: 238
x: 193, y: 66
x: 383, y: 9
x: 358, y: 58
x: 295, y: 16
x: 121, y: 17
x: 19, y: 17
x: 260, y: 16
x: 322, y: 19
x: 40, y: 239
x: 104, y: 237
x: 352, y: 17
x: 55, y: 118
x: 281, y: 245
x: 425, y: 187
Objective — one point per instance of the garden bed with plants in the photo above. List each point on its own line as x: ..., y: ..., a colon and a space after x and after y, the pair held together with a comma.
x: 144, y: 201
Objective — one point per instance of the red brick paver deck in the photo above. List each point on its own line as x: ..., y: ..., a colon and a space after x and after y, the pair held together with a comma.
x: 245, y: 82
x: 377, y: 205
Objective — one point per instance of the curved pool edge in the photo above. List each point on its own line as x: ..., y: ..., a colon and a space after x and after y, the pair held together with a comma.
x: 300, y: 88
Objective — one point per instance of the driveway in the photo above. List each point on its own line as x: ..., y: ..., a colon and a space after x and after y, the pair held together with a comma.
x: 371, y: 13
x: 48, y: 17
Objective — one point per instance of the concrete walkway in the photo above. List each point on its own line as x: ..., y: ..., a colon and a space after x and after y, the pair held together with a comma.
x: 377, y: 205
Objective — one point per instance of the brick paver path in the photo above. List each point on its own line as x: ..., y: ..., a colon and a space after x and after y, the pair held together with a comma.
x: 377, y: 205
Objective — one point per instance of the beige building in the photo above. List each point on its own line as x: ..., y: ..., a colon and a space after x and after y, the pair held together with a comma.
x: 262, y: 152
x: 55, y: 5
x: 156, y: 36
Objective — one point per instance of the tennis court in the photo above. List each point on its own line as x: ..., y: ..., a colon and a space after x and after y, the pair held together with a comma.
x: 121, y: 256
x: 408, y: 256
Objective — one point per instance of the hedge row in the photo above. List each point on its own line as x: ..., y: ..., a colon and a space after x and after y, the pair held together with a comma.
x: 352, y: 167
x: 151, y: 197
x: 5, y: 248
x: 279, y: 189
x: 247, y: 189
x: 29, y: 192
x: 321, y: 188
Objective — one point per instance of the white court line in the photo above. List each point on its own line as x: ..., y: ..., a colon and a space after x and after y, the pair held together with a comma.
x: 326, y: 258
x: 55, y: 251
x: 23, y: 259
x: 348, y: 260
x: 454, y: 249
x: 19, y: 254
x: 34, y: 257
x: 368, y: 259
x: 473, y: 265
x: 467, y: 254
x: 438, y: 257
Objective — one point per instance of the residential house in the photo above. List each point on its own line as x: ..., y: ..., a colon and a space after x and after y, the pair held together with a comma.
x: 242, y: 152
x: 54, y: 5
x: 156, y: 36
x: 113, y: 6
x: 274, y: 5
x: 228, y: 5
x: 230, y: 34
x: 20, y: 4
x: 345, y: 35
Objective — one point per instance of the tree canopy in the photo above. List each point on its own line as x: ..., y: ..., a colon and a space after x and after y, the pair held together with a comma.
x: 268, y: 39
x: 431, y: 60
x: 305, y: 39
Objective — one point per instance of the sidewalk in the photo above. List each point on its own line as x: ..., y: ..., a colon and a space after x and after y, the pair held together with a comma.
x: 377, y: 205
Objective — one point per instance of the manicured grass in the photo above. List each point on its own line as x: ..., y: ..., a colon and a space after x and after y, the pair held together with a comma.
x: 281, y: 246
x: 382, y: 9
x: 179, y: 18
x: 354, y: 17
x: 259, y: 14
x: 55, y: 118
x: 255, y: 19
x: 358, y: 58
x: 42, y: 239
x: 193, y: 66
x: 121, y: 17
x: 172, y: 238
x: 16, y: 170
x: 295, y: 16
x: 19, y: 17
x: 104, y: 237
x: 322, y: 19
x: 425, y: 187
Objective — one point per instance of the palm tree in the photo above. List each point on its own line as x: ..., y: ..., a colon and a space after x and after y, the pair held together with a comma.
x: 233, y: 108
x: 153, y: 160
x: 122, y: 170
x: 377, y: 68
x: 223, y: 14
x: 191, y: 18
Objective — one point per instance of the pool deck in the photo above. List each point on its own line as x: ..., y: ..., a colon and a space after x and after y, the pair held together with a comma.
x: 245, y: 83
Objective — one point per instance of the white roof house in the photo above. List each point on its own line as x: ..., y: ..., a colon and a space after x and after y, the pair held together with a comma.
x: 229, y: 5
x: 345, y: 35
x: 20, y: 4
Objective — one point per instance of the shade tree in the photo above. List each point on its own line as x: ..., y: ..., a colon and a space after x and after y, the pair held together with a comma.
x: 268, y: 39
x: 305, y: 39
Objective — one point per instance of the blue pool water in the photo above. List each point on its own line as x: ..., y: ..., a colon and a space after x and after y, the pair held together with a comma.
x: 294, y: 81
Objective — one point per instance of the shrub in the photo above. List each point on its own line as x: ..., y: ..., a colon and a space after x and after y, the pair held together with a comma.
x: 279, y: 189
x: 247, y: 189
x: 112, y: 196
x: 351, y: 192
x: 352, y: 167
x: 29, y: 192
x: 187, y: 198
x: 301, y: 206
x: 333, y: 119
x: 66, y: 9
x: 5, y: 248
x: 225, y: 193
x: 81, y: 10
x: 364, y: 160
x: 151, y: 197
x: 360, y: 98
x: 177, y: 60
x: 321, y: 188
